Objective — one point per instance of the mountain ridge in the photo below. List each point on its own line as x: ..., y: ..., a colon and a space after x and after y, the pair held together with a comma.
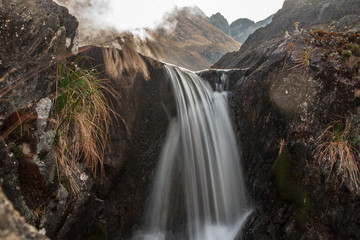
x: 327, y: 15
x: 194, y: 43
x: 239, y: 29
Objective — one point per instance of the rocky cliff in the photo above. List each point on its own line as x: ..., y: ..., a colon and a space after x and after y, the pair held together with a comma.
x: 142, y: 105
x: 297, y: 93
x: 308, y: 15
x: 38, y: 36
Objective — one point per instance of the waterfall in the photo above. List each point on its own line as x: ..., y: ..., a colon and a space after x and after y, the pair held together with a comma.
x: 199, y: 174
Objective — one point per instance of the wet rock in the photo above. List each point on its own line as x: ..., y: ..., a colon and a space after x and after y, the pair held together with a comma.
x: 78, y: 219
x: 136, y: 140
x: 294, y: 88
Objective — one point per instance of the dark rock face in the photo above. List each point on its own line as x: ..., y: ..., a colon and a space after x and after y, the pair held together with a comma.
x: 36, y: 35
x: 283, y: 96
x: 282, y: 99
x: 33, y: 33
x: 136, y: 140
x: 115, y: 204
x: 292, y: 88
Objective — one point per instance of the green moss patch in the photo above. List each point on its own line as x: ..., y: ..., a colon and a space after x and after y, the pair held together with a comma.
x: 99, y: 232
x: 289, y: 188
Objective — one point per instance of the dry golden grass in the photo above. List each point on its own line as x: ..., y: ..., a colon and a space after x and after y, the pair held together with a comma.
x: 17, y: 119
x: 82, y: 123
x: 128, y: 62
x: 352, y: 61
x: 302, y: 58
x: 337, y: 147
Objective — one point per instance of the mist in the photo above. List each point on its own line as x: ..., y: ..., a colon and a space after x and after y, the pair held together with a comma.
x: 132, y: 16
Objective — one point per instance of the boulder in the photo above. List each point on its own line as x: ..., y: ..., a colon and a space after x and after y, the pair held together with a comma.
x: 34, y: 36
x: 13, y: 226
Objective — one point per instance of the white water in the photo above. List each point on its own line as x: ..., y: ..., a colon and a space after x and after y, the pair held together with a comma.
x: 199, y: 168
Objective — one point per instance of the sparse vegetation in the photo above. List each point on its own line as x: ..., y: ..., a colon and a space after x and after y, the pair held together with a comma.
x: 337, y: 148
x: 346, y: 53
x: 82, y: 120
x: 302, y: 58
x: 19, y: 120
x: 352, y: 61
x: 355, y: 49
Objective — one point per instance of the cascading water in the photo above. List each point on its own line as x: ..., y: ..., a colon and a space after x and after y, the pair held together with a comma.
x: 199, y: 159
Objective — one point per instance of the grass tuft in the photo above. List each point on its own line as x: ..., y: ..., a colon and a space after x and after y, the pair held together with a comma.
x: 352, y: 62
x: 82, y: 122
x: 338, y: 147
x: 302, y: 58
x: 128, y: 62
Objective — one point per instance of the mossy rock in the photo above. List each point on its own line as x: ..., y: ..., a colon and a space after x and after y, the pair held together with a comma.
x: 288, y: 187
x: 99, y: 232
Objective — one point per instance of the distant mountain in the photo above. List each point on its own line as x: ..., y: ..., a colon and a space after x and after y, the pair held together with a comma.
x: 219, y: 21
x: 240, y: 29
x: 193, y: 42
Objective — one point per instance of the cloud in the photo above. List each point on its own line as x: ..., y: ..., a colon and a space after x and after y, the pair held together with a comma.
x: 114, y: 14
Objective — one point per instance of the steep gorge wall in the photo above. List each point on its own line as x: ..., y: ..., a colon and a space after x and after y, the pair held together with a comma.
x: 39, y: 34
x: 292, y: 87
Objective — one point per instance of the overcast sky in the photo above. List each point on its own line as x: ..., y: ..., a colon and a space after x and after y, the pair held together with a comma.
x: 148, y: 13
x: 234, y: 9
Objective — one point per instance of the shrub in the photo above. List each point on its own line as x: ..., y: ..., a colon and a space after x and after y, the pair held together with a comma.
x: 82, y: 120
x: 337, y: 148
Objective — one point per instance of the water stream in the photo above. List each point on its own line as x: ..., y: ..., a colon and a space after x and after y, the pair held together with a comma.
x: 198, y: 192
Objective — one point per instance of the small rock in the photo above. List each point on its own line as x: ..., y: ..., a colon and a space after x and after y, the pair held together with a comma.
x: 26, y: 149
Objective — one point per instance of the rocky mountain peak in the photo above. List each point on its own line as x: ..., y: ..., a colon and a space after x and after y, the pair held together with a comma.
x: 242, y: 22
x: 193, y: 43
x: 240, y: 29
x: 219, y: 21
